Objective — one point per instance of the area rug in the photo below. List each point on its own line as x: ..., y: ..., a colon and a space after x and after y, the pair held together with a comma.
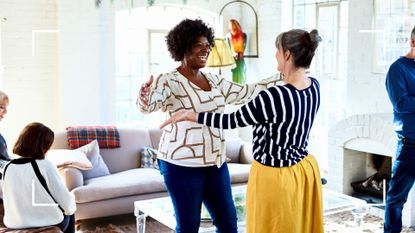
x: 152, y: 226
x: 344, y: 222
x: 336, y: 223
x: 112, y: 229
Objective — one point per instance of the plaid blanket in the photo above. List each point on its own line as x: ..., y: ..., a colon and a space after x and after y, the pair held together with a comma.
x: 107, y: 136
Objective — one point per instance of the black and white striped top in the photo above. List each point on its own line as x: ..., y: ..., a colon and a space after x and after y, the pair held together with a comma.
x: 281, y: 116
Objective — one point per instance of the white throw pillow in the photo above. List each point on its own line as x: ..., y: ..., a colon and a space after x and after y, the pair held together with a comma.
x: 69, y: 158
x: 99, y: 168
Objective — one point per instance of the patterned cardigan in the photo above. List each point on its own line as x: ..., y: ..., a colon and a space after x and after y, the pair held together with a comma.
x: 188, y: 142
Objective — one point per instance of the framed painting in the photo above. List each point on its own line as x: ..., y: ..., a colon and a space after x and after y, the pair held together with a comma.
x: 247, y: 17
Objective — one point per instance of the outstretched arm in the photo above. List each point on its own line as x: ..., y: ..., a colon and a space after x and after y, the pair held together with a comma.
x: 253, y: 112
x: 144, y: 94
x: 182, y: 115
x: 236, y: 93
x: 154, y: 96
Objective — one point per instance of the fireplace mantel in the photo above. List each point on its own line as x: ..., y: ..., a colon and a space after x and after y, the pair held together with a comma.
x: 370, y: 146
x: 349, y: 142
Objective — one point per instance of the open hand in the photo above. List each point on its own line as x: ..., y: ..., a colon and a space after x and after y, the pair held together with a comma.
x: 182, y: 115
x: 145, y: 91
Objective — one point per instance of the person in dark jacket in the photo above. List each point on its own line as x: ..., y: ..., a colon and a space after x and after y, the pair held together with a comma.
x: 400, y: 86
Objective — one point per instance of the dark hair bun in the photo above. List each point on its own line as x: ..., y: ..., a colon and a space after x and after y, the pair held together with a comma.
x: 301, y: 44
x: 314, y: 39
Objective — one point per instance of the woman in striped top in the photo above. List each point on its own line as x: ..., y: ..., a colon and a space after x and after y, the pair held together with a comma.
x: 284, y: 188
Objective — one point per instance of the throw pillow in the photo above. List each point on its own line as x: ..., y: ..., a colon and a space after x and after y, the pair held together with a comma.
x: 99, y: 168
x: 149, y: 158
x: 68, y: 158
x: 107, y: 136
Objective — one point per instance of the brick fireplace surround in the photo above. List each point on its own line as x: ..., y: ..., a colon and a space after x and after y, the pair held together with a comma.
x: 356, y: 136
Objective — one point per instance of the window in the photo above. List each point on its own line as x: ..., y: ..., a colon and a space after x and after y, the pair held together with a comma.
x: 140, y: 51
x: 393, y: 24
x: 330, y: 18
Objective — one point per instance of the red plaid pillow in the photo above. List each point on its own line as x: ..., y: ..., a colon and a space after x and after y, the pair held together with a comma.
x: 107, y: 136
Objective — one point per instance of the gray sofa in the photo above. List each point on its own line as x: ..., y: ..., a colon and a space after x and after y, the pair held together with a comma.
x: 115, y: 193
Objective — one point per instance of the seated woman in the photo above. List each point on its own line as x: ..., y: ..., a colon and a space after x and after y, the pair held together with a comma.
x: 4, y: 156
x: 50, y: 203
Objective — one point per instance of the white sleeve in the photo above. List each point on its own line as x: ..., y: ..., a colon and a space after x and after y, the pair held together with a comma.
x: 236, y: 93
x: 160, y: 96
x: 58, y: 189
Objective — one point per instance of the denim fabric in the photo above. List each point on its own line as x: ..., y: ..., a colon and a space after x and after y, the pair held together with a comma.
x: 189, y: 187
x: 68, y: 224
x: 403, y: 177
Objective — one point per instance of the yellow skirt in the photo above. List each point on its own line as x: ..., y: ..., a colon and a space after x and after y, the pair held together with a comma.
x: 285, y: 200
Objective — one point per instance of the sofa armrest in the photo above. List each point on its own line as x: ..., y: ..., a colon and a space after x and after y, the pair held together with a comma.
x: 72, y: 177
x: 245, y: 154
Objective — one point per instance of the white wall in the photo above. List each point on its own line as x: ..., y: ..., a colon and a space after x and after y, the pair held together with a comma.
x: 30, y: 81
x: 269, y: 26
x: 366, y: 91
x: 86, y: 68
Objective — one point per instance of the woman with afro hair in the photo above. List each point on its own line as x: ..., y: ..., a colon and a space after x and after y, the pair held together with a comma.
x: 191, y: 156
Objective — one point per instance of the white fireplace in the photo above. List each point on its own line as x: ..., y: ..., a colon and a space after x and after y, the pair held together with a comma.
x: 350, y: 141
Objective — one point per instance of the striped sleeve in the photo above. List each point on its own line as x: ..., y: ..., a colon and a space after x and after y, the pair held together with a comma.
x: 254, y: 112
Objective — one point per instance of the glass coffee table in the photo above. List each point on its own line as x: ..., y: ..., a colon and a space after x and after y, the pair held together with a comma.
x: 161, y: 209
x: 335, y: 202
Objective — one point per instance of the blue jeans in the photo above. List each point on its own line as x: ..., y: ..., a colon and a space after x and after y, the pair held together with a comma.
x: 403, y: 177
x: 189, y: 187
x: 68, y: 224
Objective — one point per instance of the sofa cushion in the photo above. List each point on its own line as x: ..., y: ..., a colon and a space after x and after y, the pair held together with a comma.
x: 99, y: 168
x: 126, y: 183
x: 128, y: 155
x: 149, y: 158
x: 233, y: 147
x: 239, y: 173
x: 69, y: 158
